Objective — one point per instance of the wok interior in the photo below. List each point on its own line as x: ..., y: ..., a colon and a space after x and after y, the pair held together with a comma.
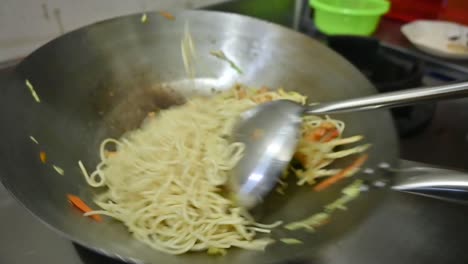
x: 102, y: 80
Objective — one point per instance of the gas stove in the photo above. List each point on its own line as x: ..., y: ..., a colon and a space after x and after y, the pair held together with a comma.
x: 441, y: 141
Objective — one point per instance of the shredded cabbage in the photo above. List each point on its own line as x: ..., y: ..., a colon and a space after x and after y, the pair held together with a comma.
x: 216, y: 251
x: 291, y: 241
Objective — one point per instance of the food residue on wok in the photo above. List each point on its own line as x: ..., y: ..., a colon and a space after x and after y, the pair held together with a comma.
x: 58, y: 170
x: 144, y: 18
x: 33, y: 92
x: 311, y: 223
x: 167, y: 15
x: 33, y: 139
x: 291, y: 241
x: 80, y: 204
x: 43, y: 157
x: 222, y: 56
x: 216, y: 251
x: 188, y: 52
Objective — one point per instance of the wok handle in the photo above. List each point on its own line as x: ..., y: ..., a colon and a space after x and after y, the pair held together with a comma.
x: 392, y: 99
x: 433, y: 182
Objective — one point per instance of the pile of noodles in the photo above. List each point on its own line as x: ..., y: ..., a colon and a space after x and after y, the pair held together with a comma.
x: 165, y: 180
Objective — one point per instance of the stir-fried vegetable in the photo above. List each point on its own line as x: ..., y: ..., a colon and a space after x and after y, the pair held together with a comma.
x: 144, y: 18
x: 188, y: 52
x: 58, y: 170
x: 216, y: 251
x: 78, y: 203
x: 167, y: 15
x: 349, y: 193
x: 33, y: 139
x: 33, y: 92
x: 43, y: 157
x: 342, y: 174
x: 311, y: 223
x: 291, y: 241
x: 324, y: 133
x: 220, y: 55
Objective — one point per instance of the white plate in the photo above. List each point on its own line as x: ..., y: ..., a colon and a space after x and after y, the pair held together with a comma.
x: 439, y: 38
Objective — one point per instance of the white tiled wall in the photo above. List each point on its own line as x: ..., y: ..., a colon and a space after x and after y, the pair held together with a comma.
x: 27, y: 24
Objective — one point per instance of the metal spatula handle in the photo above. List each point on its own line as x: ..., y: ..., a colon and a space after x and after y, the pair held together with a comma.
x: 392, y: 99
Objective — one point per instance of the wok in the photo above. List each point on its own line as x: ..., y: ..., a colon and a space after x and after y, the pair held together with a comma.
x: 100, y: 81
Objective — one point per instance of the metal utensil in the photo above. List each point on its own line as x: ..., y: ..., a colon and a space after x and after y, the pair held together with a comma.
x: 267, y: 157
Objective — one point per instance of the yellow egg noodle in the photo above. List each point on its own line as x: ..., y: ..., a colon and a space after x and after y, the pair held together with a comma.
x: 165, y: 181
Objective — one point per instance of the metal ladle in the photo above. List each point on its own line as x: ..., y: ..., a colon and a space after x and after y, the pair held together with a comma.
x: 277, y: 128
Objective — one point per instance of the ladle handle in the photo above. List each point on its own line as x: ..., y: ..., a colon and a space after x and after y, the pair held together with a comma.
x: 427, y: 180
x: 392, y: 99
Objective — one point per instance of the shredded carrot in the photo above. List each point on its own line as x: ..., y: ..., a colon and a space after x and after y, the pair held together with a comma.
x: 330, y: 135
x: 43, y: 157
x: 341, y: 175
x: 328, y: 125
x: 167, y: 15
x: 324, y: 133
x: 317, y: 134
x: 78, y: 203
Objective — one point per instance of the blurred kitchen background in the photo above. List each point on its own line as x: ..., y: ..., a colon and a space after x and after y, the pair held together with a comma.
x: 27, y: 24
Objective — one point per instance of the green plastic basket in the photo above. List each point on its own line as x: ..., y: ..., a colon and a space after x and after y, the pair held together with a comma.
x: 348, y: 17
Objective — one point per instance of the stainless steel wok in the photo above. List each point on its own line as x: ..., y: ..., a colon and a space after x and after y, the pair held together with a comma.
x: 101, y: 80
